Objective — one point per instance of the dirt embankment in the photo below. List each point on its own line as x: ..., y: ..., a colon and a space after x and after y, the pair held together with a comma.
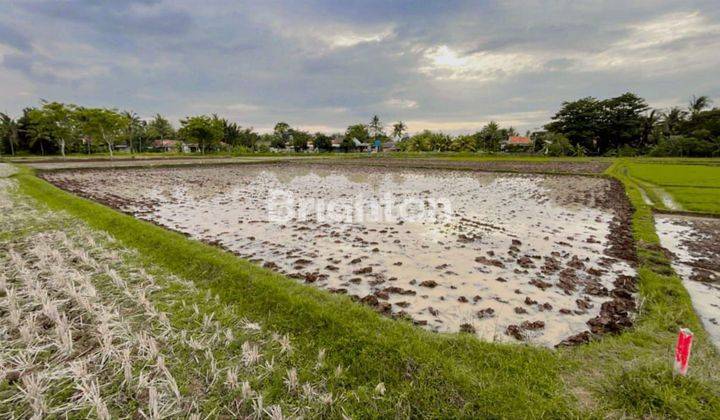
x: 560, y: 167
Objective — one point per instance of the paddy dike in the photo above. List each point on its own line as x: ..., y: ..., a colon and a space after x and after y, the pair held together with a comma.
x: 538, y: 258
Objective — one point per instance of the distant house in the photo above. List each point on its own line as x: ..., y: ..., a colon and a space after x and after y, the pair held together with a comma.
x: 337, y: 142
x: 166, y: 145
x: 519, y: 143
x: 389, y: 146
x: 358, y: 146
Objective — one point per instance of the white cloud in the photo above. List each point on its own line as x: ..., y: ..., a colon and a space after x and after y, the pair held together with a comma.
x: 401, y: 103
x: 342, y: 39
x: 649, y: 46
x: 443, y: 62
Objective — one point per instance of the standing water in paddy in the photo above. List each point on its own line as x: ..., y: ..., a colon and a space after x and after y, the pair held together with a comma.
x: 507, y: 257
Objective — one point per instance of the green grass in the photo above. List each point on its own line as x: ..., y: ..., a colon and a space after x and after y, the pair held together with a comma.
x: 695, y: 186
x: 449, y: 375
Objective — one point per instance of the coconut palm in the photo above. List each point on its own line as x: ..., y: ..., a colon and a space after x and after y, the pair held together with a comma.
x: 399, y: 128
x: 375, y: 126
x: 698, y: 103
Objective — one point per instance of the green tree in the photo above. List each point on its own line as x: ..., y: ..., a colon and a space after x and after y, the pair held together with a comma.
x: 106, y: 125
x: 491, y: 137
x: 673, y: 120
x: 359, y: 132
x: 375, y: 127
x: 559, y: 145
x: 399, y: 130
x: 55, y: 122
x: 580, y: 121
x: 323, y: 142
x: 203, y: 130
x: 622, y: 122
x: 9, y: 132
x: 281, y: 134
x: 464, y: 143
x: 300, y: 140
x: 134, y: 131
x: 159, y: 128
x: 698, y: 104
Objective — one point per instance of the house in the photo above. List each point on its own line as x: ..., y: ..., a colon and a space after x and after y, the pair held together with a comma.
x: 519, y: 143
x: 389, y: 146
x: 165, y: 145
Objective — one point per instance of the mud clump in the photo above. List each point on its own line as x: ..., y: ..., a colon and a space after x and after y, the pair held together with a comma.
x: 616, y: 314
x: 491, y: 262
x: 486, y: 313
x: 467, y: 328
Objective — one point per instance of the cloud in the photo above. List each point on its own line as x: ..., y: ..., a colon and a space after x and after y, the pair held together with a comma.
x: 446, y: 63
x: 322, y: 64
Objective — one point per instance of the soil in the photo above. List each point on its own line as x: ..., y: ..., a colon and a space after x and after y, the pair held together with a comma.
x: 510, y: 246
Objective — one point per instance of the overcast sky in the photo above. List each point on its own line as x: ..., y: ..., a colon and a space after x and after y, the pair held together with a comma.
x: 324, y: 64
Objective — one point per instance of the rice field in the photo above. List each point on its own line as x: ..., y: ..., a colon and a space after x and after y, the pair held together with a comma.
x: 87, y: 331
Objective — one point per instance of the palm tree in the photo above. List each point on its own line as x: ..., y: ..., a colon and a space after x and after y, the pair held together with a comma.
x: 698, y: 103
x: 9, y: 131
x: 673, y: 118
x: 135, y: 124
x: 399, y: 128
x: 648, y: 124
x: 375, y: 126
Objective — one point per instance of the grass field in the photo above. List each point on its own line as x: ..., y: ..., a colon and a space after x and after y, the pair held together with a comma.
x: 423, y: 374
x: 693, y: 186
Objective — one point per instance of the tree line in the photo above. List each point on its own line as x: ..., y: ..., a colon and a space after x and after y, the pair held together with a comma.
x: 624, y: 125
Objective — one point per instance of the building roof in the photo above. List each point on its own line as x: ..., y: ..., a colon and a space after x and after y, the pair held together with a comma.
x: 164, y: 143
x: 519, y: 141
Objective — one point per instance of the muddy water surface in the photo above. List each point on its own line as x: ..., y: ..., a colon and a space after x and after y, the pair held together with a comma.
x: 516, y: 257
x: 695, y: 245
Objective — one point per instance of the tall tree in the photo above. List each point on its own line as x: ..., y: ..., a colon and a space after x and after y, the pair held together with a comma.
x: 491, y: 137
x: 203, y: 130
x: 300, y: 140
x: 580, y: 121
x: 135, y: 129
x: 55, y: 122
x: 282, y: 134
x: 106, y: 125
x: 698, y: 104
x: 359, y: 132
x: 399, y: 129
x: 8, y: 133
x: 375, y: 127
x: 159, y: 128
x: 673, y: 120
x: 622, y: 122
x: 323, y: 142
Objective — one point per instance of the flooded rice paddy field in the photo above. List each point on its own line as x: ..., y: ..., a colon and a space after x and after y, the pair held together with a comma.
x: 537, y: 258
x: 694, y: 243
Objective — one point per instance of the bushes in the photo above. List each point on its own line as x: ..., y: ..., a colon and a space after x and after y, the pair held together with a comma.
x: 686, y: 146
x: 558, y: 145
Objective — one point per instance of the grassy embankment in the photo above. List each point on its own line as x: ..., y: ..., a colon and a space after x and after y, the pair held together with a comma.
x: 448, y: 374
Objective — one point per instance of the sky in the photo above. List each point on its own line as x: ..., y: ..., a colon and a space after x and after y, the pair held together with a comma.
x: 322, y: 65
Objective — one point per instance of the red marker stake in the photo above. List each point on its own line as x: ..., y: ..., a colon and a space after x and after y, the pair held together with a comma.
x: 682, y: 351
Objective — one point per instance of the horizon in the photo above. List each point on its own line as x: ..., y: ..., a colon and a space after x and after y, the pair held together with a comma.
x: 322, y: 66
